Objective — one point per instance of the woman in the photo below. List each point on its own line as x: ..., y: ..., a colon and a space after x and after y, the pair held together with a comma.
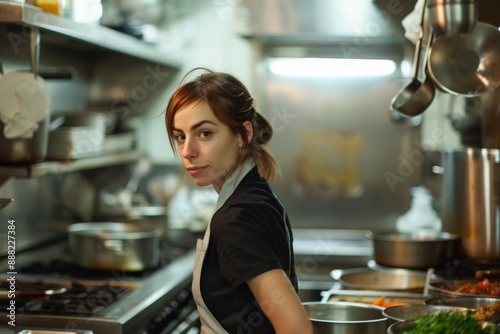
x: 244, y: 279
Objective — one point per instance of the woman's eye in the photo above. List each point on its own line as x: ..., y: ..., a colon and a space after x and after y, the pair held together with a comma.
x: 179, y: 138
x: 205, y: 134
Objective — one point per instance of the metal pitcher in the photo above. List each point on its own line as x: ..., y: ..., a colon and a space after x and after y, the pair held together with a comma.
x: 470, y: 205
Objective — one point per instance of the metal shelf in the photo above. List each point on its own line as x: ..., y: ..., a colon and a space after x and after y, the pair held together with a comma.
x: 91, y: 39
x: 54, y: 167
x: 93, y: 36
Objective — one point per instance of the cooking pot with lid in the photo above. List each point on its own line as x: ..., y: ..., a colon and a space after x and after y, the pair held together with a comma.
x: 114, y: 246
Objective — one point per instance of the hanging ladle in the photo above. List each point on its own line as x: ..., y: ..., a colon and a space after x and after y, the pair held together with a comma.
x: 413, y: 99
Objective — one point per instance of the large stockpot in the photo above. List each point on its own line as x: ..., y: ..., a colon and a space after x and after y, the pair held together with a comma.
x: 470, y: 206
x: 114, y: 246
x: 345, y: 318
x: 420, y: 250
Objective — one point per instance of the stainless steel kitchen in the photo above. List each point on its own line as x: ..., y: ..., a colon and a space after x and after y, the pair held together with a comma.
x: 386, y: 131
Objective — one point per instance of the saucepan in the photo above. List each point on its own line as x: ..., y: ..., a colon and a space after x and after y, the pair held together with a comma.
x: 413, y: 99
x: 114, y: 246
x: 420, y: 250
x: 467, y: 64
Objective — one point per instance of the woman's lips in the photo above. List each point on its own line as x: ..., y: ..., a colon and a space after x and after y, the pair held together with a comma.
x: 195, y: 170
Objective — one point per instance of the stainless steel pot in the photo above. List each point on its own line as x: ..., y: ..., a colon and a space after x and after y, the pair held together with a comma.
x: 382, y: 279
x: 413, y: 251
x: 151, y: 215
x: 452, y: 17
x: 345, y: 318
x: 114, y: 246
x: 470, y: 204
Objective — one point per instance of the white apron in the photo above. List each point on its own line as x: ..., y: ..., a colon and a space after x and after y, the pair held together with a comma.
x: 210, y: 325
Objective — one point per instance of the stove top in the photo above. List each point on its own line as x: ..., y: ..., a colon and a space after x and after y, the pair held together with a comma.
x: 51, y: 292
x: 63, y: 298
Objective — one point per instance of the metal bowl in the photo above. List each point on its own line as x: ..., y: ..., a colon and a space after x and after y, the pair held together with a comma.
x: 411, y: 312
x: 345, y: 317
x: 413, y: 251
x: 468, y: 302
x: 389, y: 279
x: 405, y: 326
x: 447, y: 289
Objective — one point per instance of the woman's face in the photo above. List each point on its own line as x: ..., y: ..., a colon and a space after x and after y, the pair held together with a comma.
x: 207, y: 147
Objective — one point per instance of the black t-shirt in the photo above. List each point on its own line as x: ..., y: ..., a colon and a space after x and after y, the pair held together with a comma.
x: 248, y: 237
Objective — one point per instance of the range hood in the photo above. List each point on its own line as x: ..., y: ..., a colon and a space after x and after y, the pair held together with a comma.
x: 364, y: 21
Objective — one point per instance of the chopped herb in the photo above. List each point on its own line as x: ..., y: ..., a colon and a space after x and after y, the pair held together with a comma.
x: 451, y: 323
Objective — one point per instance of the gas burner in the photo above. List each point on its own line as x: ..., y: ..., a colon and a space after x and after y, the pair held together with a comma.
x: 66, y: 299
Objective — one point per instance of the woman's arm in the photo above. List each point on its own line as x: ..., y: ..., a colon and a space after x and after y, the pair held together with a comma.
x: 279, y: 301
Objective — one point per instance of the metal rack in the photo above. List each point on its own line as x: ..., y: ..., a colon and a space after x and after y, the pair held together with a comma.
x: 91, y: 37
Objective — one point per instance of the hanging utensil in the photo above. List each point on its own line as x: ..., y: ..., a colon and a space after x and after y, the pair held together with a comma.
x: 35, y: 50
x: 467, y: 65
x: 414, y: 99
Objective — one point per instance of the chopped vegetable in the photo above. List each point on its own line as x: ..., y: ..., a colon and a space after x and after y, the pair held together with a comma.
x: 451, y: 323
x: 379, y: 301
x: 484, y: 287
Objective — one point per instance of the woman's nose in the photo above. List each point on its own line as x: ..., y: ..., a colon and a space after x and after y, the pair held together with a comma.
x: 189, y: 149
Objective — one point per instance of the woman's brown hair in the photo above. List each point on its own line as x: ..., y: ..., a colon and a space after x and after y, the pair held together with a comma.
x: 232, y: 105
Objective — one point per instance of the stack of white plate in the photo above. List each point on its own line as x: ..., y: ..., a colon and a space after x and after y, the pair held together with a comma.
x: 79, y: 136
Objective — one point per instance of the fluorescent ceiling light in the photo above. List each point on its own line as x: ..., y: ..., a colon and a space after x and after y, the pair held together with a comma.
x: 331, y: 67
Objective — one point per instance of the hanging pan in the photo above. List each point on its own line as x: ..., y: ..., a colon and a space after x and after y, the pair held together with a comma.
x: 467, y: 64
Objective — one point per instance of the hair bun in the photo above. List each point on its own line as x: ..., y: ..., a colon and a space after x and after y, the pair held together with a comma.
x: 263, y: 131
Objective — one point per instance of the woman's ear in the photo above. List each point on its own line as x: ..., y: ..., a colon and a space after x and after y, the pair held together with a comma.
x: 249, y: 129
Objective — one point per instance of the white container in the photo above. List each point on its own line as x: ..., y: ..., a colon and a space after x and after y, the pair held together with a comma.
x: 86, y: 11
